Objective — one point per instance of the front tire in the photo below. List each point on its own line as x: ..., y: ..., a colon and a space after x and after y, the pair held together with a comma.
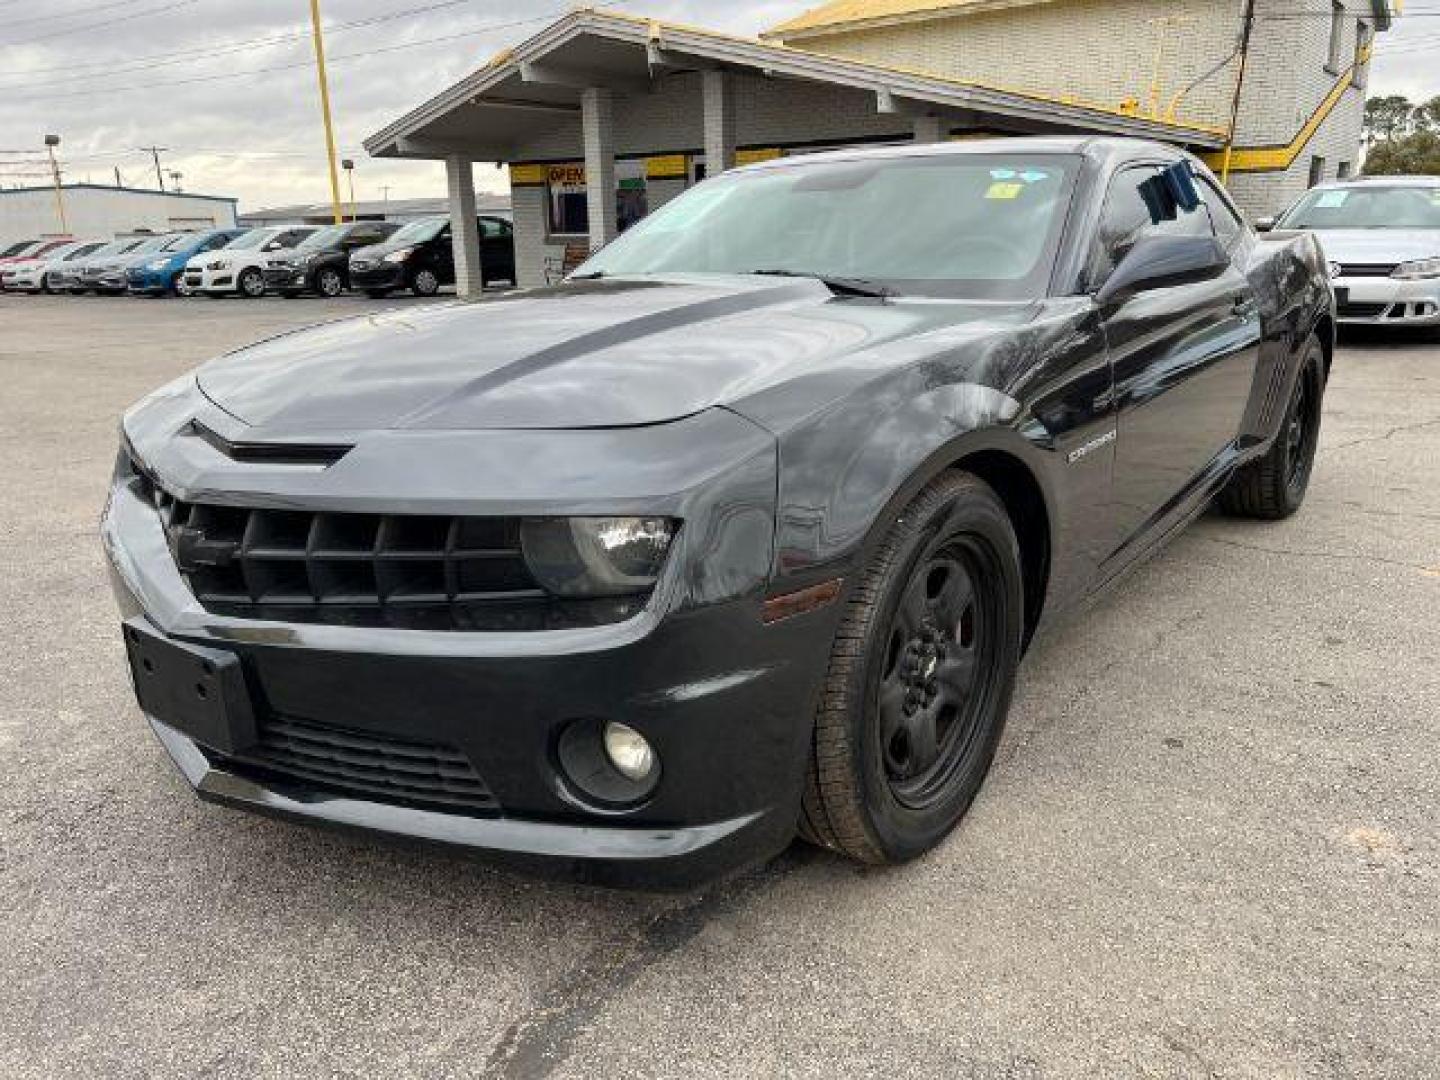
x: 250, y: 284
x: 1273, y: 486
x: 919, y: 679
x: 424, y: 282
x: 329, y: 283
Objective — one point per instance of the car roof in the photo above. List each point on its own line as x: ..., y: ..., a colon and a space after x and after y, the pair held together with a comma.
x: 1382, y: 181
x: 1101, y: 149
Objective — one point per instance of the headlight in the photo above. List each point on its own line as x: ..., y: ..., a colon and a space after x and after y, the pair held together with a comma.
x: 157, y: 264
x: 399, y: 256
x: 596, y: 556
x: 1417, y: 268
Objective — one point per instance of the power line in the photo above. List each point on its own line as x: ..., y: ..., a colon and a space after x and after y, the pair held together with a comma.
x: 91, y: 10
x: 107, y: 90
x: 104, y: 22
x: 208, y: 52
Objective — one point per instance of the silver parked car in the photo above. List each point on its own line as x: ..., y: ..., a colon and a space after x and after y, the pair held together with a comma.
x: 1382, y: 237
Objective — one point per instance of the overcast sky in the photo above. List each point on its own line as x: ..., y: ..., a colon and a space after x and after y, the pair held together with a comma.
x: 228, y: 86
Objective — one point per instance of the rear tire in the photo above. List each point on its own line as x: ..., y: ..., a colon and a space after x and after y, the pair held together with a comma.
x: 919, y: 679
x: 1273, y: 486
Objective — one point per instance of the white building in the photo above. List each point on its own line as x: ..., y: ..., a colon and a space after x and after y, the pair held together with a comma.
x: 94, y: 210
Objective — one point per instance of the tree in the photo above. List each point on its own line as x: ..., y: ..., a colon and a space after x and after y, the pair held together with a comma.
x: 1415, y: 154
x: 1387, y: 118
x: 1427, y: 117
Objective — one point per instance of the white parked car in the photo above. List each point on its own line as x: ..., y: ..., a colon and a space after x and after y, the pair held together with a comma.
x: 1382, y: 237
x: 239, y: 267
x: 36, y: 275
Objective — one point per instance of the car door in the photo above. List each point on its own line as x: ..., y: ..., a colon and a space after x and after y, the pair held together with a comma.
x: 442, y: 254
x: 1183, y: 360
x: 497, y: 249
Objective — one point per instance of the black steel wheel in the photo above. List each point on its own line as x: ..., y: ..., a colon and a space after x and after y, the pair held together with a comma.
x: 329, y: 283
x: 250, y: 284
x: 1274, y: 485
x: 920, y: 678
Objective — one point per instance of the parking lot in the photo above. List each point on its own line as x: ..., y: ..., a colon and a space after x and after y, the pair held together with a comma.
x: 1208, y: 847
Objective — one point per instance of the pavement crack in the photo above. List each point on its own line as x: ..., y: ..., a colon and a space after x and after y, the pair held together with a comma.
x: 1342, y: 556
x: 540, y: 1041
x: 1382, y: 437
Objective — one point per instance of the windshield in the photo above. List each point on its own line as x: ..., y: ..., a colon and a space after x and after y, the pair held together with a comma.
x: 175, y: 243
x: 144, y: 247
x: 322, y: 238
x: 1372, y: 206
x: 15, y: 249
x: 971, y: 225
x: 248, y: 241
x: 418, y: 232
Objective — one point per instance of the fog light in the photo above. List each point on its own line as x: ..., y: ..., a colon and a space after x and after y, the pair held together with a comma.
x: 628, y: 751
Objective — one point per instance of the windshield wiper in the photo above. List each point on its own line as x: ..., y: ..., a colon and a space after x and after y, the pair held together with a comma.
x: 840, y: 286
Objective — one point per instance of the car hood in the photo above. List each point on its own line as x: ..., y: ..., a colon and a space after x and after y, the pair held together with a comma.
x: 612, y: 353
x: 1378, y: 245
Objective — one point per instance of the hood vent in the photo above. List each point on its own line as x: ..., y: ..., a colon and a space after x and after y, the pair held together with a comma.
x: 257, y: 453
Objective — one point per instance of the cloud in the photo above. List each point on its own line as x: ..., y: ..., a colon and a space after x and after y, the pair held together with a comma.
x: 229, y: 89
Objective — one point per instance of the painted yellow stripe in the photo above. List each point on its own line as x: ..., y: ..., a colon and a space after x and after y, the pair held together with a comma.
x: 1280, y: 158
x: 750, y: 157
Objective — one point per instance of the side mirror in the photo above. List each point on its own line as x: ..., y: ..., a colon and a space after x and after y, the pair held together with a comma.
x: 1161, y: 261
x: 1264, y: 224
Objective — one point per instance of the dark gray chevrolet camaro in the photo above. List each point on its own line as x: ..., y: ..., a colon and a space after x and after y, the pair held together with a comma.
x: 741, y: 531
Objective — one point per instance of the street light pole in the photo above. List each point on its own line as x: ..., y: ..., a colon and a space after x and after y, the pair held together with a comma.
x: 325, y: 109
x: 52, y: 141
x: 349, y: 166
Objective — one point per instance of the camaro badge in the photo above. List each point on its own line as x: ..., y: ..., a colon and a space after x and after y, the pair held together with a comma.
x: 1094, y: 444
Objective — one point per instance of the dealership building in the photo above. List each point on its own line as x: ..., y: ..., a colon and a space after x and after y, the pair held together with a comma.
x: 96, y: 210
x: 602, y: 116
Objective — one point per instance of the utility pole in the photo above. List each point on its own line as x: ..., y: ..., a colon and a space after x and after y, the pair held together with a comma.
x: 118, y: 181
x: 325, y: 109
x: 52, y: 141
x: 1245, y: 31
x: 155, y: 152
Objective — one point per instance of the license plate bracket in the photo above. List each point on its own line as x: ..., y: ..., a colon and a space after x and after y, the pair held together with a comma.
x: 196, y: 690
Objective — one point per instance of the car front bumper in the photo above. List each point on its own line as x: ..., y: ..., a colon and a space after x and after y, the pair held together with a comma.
x: 287, y: 278
x: 27, y: 280
x: 725, y: 699
x: 203, y: 279
x: 377, y: 275
x: 1388, y: 301
x: 150, y: 281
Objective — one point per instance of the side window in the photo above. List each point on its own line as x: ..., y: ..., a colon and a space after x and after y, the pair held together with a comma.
x: 1226, y: 222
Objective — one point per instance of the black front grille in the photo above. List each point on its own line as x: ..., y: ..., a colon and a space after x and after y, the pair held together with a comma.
x: 366, y: 766
x: 1354, y: 309
x: 406, y: 571
x: 1366, y: 269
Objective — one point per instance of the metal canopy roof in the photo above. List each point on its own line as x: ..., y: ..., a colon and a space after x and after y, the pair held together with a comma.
x: 538, y: 84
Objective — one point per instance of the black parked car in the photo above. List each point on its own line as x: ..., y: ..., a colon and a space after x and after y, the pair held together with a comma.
x: 321, y: 262
x: 741, y: 530
x: 420, y: 257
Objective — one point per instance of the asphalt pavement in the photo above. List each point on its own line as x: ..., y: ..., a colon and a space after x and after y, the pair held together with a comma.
x: 1208, y: 847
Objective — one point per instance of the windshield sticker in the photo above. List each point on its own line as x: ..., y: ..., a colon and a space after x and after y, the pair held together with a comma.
x: 1331, y: 199
x: 1034, y: 176
x: 1003, y: 190
x: 1002, y: 174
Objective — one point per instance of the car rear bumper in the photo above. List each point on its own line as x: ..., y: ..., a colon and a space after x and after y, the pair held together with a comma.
x: 725, y: 700
x: 1388, y: 301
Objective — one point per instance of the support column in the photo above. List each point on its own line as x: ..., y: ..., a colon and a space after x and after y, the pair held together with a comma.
x: 597, y: 117
x: 464, y: 229
x: 931, y: 129
x: 718, y: 94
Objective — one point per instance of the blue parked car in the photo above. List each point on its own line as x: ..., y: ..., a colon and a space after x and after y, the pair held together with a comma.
x: 158, y: 273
